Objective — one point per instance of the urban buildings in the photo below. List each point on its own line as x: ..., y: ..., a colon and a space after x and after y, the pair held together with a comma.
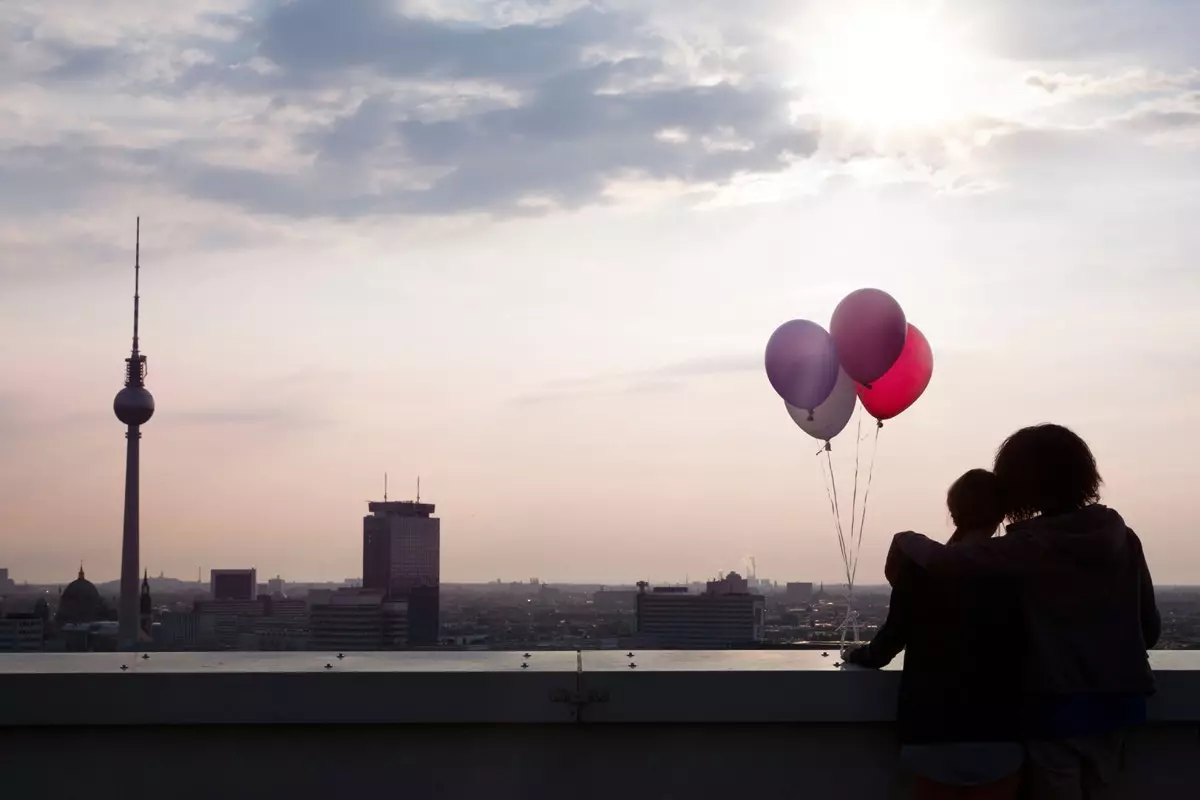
x: 176, y: 630
x: 21, y: 633
x: 614, y: 599
x: 356, y: 619
x: 264, y: 623
x: 233, y: 584
x: 725, y: 615
x: 402, y: 559
x: 6, y: 583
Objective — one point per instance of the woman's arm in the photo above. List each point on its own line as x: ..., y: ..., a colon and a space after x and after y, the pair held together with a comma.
x: 1151, y: 621
x: 1012, y: 555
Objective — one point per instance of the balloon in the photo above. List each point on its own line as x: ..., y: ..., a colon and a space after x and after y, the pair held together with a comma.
x: 802, y: 363
x: 829, y: 418
x: 868, y: 328
x: 900, y: 387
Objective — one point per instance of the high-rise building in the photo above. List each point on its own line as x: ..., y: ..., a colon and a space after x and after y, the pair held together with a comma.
x: 6, y: 585
x: 134, y: 406
x: 402, y: 558
x: 356, y: 619
x: 724, y: 616
x: 798, y: 593
x: 233, y: 584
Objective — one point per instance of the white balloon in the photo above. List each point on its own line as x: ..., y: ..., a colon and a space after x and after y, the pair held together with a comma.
x: 829, y: 418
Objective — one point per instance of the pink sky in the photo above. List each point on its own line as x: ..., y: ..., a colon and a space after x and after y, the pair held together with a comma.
x: 564, y: 338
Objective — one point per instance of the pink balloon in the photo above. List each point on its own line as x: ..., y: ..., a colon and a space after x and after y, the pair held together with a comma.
x: 868, y: 327
x: 901, y: 385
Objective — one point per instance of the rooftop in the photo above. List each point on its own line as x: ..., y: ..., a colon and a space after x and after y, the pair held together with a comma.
x: 499, y: 724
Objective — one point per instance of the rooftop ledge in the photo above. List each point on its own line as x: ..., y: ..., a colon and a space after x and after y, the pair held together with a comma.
x: 478, y: 687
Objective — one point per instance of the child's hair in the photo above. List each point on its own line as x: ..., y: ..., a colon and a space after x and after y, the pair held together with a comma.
x: 974, y: 501
x: 1045, y: 469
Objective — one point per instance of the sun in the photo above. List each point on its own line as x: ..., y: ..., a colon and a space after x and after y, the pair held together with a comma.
x: 886, y: 66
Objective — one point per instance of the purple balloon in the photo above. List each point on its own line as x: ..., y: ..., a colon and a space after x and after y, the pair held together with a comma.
x: 868, y: 329
x: 802, y: 363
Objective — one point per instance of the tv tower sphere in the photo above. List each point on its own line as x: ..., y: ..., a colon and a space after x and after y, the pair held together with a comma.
x: 134, y: 405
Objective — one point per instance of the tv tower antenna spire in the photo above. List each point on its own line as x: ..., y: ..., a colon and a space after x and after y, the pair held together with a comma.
x: 137, y: 281
x: 134, y: 406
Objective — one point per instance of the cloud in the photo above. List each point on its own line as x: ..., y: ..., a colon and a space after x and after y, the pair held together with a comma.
x: 667, y: 378
x: 1126, y: 82
x: 711, y: 365
x: 364, y: 110
x: 258, y: 417
x: 313, y: 38
x: 1168, y: 117
x: 289, y: 401
x: 1084, y: 30
x: 571, y: 129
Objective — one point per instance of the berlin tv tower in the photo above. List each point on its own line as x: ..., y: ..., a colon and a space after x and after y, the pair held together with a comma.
x: 133, y: 406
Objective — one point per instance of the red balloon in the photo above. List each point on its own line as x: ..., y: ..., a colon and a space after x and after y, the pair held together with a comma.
x: 901, y: 385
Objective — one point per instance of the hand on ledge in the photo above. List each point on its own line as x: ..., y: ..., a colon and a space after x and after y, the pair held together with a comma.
x: 858, y: 657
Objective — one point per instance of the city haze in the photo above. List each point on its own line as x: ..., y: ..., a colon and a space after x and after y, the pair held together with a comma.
x: 544, y: 283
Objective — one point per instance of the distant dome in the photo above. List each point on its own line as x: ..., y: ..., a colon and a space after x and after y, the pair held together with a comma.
x: 80, y: 602
x: 134, y: 405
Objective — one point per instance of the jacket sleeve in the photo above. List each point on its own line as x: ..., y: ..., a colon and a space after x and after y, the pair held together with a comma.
x: 1012, y: 556
x: 891, y: 637
x: 1151, y: 621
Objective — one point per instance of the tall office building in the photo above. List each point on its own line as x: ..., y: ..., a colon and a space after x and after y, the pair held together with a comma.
x: 234, y: 584
x: 402, y: 558
x: 798, y: 593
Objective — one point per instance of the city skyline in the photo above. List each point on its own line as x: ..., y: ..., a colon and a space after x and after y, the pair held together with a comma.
x: 534, y: 261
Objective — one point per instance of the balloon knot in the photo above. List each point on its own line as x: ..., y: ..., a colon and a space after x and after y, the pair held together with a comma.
x: 828, y: 446
x: 878, y: 423
x: 866, y: 386
x: 810, y: 415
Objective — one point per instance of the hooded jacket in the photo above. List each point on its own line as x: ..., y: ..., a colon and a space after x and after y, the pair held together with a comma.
x: 1084, y: 594
x: 961, y: 679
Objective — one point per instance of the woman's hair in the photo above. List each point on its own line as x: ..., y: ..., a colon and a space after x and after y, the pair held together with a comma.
x: 1045, y: 469
x: 974, y: 502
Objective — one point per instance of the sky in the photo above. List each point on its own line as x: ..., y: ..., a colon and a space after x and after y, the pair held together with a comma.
x: 532, y: 251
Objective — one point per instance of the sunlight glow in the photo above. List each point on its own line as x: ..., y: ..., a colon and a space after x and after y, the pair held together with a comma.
x: 887, y: 67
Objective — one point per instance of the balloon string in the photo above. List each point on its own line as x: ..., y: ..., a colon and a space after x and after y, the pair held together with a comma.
x: 854, y: 500
x: 835, y: 509
x: 833, y: 506
x: 866, y: 496
x: 838, y: 511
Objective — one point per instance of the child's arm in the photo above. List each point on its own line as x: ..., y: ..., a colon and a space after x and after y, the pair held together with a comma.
x: 891, y: 637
